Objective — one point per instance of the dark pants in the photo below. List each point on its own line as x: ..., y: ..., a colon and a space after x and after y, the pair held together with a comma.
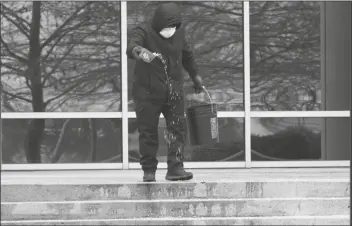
x: 148, y: 113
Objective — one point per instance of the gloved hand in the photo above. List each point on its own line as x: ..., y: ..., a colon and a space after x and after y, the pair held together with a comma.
x: 140, y: 53
x: 198, y: 84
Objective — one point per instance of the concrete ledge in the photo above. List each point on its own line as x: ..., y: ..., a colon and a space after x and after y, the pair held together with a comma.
x: 200, y: 175
x: 174, y: 208
x: 282, y: 220
x: 190, y: 190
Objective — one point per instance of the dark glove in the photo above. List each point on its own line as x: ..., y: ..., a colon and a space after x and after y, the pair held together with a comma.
x: 140, y: 53
x: 198, y: 84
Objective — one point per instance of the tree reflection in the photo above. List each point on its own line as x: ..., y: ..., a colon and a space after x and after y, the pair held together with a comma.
x: 60, y: 56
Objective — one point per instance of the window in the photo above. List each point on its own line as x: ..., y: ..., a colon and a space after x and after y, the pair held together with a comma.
x: 215, y: 30
x: 298, y: 59
x: 229, y: 148
x: 71, y: 63
x: 292, y: 139
x: 67, y: 61
x: 278, y: 71
x: 63, y: 140
x: 290, y: 56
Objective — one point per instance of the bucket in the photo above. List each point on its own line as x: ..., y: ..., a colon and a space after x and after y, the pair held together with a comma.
x: 203, y: 123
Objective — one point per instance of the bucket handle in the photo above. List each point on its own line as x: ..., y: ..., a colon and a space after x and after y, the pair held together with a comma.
x: 209, y: 97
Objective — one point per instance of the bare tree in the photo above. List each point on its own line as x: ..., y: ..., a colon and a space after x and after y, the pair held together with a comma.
x: 59, y: 56
x: 79, y: 56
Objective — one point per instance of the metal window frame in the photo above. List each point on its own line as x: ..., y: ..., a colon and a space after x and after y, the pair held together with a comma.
x: 124, y: 84
x: 247, y: 83
x: 125, y: 115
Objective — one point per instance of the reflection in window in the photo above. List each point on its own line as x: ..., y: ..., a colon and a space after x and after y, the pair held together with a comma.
x: 230, y: 147
x: 285, y: 55
x: 68, y: 60
x: 291, y: 139
x: 215, y: 29
x: 61, y: 141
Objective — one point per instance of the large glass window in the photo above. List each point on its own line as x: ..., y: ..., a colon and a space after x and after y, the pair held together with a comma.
x: 299, y: 54
x: 215, y: 30
x: 60, y: 56
x: 61, y: 141
x: 292, y: 139
x: 229, y: 148
x: 66, y: 93
x: 290, y: 50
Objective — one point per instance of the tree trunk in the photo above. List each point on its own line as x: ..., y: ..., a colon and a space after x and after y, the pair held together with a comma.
x: 33, y: 140
x: 93, y: 140
x: 33, y: 73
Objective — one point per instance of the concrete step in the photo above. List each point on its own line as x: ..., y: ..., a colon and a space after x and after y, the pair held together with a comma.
x: 116, y: 209
x: 175, y: 190
x: 277, y: 220
x: 214, y: 197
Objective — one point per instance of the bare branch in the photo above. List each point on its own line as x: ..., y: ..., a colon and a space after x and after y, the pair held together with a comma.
x: 112, y: 159
x: 12, y: 54
x: 62, y: 94
x: 19, y: 26
x: 14, y: 14
x: 57, y: 153
x: 204, y: 5
x: 11, y: 67
x: 58, y: 63
x: 63, y: 33
x: 58, y: 105
x: 59, y: 29
x: 212, y: 48
x: 17, y: 97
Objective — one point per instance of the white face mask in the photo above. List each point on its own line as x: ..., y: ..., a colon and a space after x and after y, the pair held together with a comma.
x: 168, y: 32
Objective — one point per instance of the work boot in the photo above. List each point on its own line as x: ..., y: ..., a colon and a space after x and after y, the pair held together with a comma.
x: 149, y: 177
x: 178, y: 174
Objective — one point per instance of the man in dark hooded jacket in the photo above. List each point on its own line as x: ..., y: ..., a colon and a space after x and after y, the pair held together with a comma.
x: 158, y: 87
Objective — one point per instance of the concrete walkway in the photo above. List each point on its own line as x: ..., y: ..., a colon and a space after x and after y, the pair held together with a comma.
x: 200, y: 175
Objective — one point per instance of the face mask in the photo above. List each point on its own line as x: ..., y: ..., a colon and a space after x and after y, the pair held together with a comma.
x: 168, y: 32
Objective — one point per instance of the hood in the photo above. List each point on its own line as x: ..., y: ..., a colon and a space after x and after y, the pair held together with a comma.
x: 166, y: 15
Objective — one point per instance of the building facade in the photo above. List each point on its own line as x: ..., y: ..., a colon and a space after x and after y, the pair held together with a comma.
x: 280, y: 73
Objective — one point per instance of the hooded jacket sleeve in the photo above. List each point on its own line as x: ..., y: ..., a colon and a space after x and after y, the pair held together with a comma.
x: 137, y: 38
x: 188, y: 60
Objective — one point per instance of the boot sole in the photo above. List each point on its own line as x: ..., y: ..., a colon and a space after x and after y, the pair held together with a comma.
x: 149, y: 180
x: 176, y: 178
